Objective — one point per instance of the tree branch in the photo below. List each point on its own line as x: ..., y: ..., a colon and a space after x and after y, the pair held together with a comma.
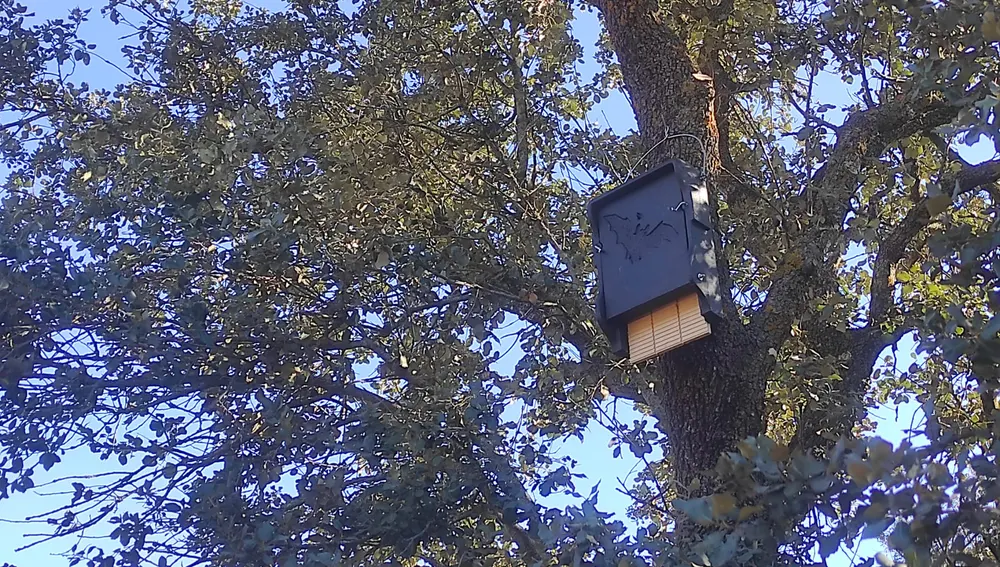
x: 894, y: 245
x: 842, y: 407
x: 808, y: 270
x: 864, y: 345
x: 863, y: 138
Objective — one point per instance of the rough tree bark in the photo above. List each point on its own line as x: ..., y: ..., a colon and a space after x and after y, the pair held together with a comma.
x: 711, y: 394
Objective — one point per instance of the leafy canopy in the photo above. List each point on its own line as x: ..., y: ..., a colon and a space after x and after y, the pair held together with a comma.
x: 268, y: 279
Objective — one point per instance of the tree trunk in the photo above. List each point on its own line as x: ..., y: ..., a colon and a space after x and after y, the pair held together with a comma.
x: 672, y: 100
x: 711, y: 397
x: 711, y: 393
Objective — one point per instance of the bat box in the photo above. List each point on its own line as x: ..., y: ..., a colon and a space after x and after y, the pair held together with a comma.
x: 654, y: 250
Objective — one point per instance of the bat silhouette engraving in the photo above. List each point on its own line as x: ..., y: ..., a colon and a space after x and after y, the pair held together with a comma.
x: 638, y: 236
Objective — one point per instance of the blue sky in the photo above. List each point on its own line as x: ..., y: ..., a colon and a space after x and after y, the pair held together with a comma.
x: 593, y: 455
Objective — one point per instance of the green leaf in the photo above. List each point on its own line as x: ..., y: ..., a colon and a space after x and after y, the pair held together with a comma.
x: 48, y: 460
x: 992, y: 328
x: 901, y: 537
x: 938, y: 204
x: 875, y: 529
x: 991, y: 25
x: 828, y: 544
x: 698, y: 509
x: 265, y: 532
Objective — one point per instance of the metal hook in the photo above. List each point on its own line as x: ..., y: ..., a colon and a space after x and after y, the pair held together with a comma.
x: 679, y: 206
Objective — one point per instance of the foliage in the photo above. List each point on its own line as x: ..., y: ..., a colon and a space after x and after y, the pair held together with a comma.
x: 272, y: 276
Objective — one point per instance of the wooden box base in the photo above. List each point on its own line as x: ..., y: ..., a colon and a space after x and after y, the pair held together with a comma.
x: 668, y: 327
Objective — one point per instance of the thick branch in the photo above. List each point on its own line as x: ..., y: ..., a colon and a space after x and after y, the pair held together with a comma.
x: 861, y: 140
x: 841, y: 406
x: 892, y: 248
x: 808, y: 271
x: 864, y: 345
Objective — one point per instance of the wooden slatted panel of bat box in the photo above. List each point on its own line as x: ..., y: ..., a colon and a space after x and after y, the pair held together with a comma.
x: 676, y: 323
